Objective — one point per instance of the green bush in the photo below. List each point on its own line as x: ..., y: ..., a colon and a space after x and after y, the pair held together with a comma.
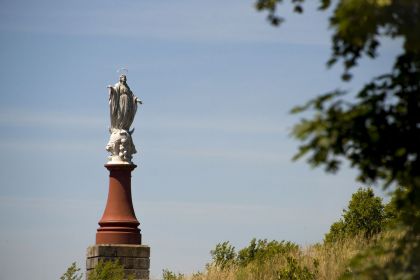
x: 294, y: 271
x: 169, y: 275
x: 258, y: 251
x: 72, y: 273
x: 223, y: 255
x: 262, y: 250
x: 108, y: 270
x: 365, y: 214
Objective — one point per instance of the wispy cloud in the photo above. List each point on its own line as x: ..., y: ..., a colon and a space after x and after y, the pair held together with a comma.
x: 219, y: 123
x: 186, y: 212
x: 19, y: 118
x: 49, y: 122
x: 50, y: 145
x: 199, y: 21
x: 239, y: 155
x: 238, y: 213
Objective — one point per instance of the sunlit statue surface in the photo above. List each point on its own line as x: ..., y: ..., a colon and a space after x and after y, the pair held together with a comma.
x: 123, y: 108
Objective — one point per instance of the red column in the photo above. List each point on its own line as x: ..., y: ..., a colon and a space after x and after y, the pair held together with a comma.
x: 119, y: 224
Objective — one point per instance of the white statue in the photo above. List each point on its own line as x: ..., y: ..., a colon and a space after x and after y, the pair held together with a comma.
x: 123, y: 107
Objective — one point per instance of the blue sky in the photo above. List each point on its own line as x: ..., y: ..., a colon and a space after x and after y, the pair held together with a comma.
x: 214, y: 159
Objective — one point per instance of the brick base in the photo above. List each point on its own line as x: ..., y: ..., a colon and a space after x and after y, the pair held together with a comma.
x: 134, y: 258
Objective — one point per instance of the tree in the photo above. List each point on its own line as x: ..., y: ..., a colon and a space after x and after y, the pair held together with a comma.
x: 365, y: 214
x: 378, y: 132
x: 72, y: 273
x: 223, y: 255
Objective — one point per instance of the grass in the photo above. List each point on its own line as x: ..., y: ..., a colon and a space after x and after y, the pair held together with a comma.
x: 327, y: 261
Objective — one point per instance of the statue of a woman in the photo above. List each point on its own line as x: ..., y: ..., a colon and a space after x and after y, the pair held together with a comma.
x: 122, y: 107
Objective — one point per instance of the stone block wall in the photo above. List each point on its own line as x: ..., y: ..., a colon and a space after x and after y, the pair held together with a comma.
x: 134, y: 258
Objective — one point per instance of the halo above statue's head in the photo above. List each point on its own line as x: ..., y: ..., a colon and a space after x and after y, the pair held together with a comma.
x: 122, y: 71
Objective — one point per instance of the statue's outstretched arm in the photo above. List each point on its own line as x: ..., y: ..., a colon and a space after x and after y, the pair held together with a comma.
x: 111, y: 90
x: 138, y: 100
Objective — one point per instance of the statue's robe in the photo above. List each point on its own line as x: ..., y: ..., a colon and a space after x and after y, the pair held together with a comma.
x: 123, y: 106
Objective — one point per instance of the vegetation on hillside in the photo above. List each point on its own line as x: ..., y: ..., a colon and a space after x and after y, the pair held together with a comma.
x: 377, y: 130
x: 362, y: 244
x: 363, y: 239
x: 104, y: 270
x: 365, y: 214
x: 72, y: 273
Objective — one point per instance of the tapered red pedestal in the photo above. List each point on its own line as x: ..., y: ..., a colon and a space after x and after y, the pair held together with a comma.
x: 119, y: 224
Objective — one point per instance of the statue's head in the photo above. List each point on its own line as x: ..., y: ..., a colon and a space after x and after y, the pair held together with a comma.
x: 123, y: 79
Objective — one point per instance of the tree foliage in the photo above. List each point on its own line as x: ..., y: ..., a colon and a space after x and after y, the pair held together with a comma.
x: 365, y: 214
x: 72, y: 273
x: 258, y: 251
x: 223, y: 255
x: 263, y: 250
x: 378, y: 130
x: 169, y: 275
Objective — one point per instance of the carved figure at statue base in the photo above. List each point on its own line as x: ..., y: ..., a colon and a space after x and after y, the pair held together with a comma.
x: 120, y: 146
x: 123, y: 108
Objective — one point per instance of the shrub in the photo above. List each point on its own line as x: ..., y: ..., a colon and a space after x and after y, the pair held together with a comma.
x: 262, y: 250
x: 365, y: 214
x: 169, y: 275
x: 72, y: 273
x: 223, y: 255
x: 296, y: 271
x: 108, y: 270
x: 259, y: 251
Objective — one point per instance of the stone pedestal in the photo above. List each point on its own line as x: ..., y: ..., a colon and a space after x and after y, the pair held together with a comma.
x: 134, y: 258
x: 118, y: 237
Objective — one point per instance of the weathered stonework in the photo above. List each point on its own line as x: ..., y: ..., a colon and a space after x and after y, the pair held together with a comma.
x: 134, y: 258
